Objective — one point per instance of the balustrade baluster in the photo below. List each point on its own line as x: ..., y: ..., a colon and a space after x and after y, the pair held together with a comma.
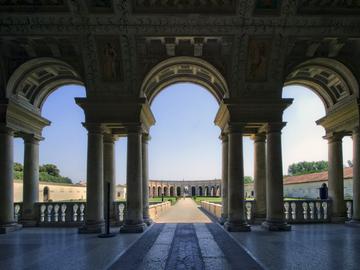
x: 75, y: 214
x: 312, y: 212
x: 42, y: 213
x: 293, y: 211
x: 63, y: 212
x: 248, y: 210
x: 286, y: 206
x: 305, y: 210
x: 318, y: 210
x: 349, y: 210
x: 121, y: 211
x: 82, y: 208
x: 325, y: 207
x: 49, y: 212
x: 56, y: 212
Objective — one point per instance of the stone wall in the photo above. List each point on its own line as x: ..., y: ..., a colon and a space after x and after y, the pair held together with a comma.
x: 61, y: 192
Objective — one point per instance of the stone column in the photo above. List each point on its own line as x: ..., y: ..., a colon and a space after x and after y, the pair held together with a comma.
x: 275, y: 218
x: 224, y: 177
x: 31, y: 180
x: 356, y: 178
x: 145, y: 178
x: 134, y: 222
x: 236, y: 203
x: 7, y: 222
x: 94, y: 220
x: 109, y: 172
x: 336, y: 177
x: 259, y: 176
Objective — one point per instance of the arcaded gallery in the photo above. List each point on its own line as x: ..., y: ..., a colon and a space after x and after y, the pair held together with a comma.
x: 124, y: 54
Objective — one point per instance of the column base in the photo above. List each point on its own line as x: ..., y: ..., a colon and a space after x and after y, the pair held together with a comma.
x: 10, y: 227
x: 92, y: 227
x: 276, y: 226
x: 28, y: 222
x: 222, y: 220
x: 237, y: 227
x: 258, y: 220
x: 133, y: 228
x: 353, y: 223
x: 148, y: 221
x: 338, y: 219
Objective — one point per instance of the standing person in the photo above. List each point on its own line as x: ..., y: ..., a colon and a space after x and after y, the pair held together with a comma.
x: 323, y: 192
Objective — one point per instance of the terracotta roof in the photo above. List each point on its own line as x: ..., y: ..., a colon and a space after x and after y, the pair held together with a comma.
x: 314, y: 177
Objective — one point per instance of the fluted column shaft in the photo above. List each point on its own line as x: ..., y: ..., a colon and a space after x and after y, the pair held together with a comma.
x: 134, y: 221
x: 260, y: 176
x: 224, y: 177
x: 236, y: 203
x: 336, y: 177
x: 145, y: 178
x: 356, y: 176
x: 275, y: 219
x: 31, y: 179
x: 7, y: 222
x: 94, y: 220
x: 109, y: 172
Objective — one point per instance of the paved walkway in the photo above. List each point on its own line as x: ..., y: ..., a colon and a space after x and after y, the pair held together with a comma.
x: 184, y: 211
x: 194, y: 245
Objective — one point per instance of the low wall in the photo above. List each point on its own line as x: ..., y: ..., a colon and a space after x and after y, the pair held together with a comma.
x: 213, y: 208
x: 155, y: 210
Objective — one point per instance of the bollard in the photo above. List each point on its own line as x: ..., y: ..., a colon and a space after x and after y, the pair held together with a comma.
x: 107, y: 233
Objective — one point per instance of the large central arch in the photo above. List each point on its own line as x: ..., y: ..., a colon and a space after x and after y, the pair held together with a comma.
x: 184, y: 69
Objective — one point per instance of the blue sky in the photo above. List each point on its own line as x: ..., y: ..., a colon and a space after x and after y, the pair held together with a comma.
x: 185, y: 141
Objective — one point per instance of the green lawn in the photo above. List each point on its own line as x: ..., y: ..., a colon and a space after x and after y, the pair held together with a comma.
x: 218, y: 199
x: 158, y: 199
x: 198, y: 199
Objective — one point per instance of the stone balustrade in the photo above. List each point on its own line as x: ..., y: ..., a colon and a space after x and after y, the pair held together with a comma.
x: 295, y: 211
x: 155, y: 210
x: 64, y: 214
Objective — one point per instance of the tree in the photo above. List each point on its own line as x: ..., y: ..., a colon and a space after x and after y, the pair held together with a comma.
x: 306, y: 167
x: 50, y: 169
x: 248, y: 179
x: 18, y: 167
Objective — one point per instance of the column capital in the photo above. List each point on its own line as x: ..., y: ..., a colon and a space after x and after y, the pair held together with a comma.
x: 94, y: 127
x: 5, y: 129
x: 356, y: 130
x: 30, y: 138
x: 134, y: 129
x: 109, y: 138
x: 224, y: 137
x: 259, y: 137
x: 146, y: 137
x: 274, y: 127
x: 235, y: 127
x: 334, y: 137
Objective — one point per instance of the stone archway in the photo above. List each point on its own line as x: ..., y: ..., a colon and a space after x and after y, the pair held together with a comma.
x: 330, y: 79
x: 178, y: 191
x: 338, y: 89
x: 200, y: 191
x: 193, y: 191
x: 33, y: 81
x: 184, y: 69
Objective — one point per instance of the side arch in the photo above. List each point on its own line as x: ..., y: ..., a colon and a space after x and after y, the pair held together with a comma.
x: 330, y: 79
x: 184, y: 69
x: 33, y: 81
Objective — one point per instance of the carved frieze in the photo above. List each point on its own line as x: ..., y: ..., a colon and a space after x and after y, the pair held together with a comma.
x: 182, y: 6
x: 329, y: 7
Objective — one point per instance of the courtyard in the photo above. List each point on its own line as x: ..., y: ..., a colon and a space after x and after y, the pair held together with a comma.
x: 184, y: 237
